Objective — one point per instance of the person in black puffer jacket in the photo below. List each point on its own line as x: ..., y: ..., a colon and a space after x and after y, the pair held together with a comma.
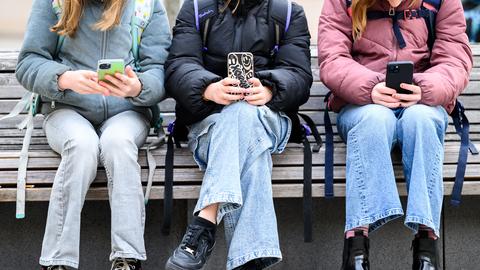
x: 233, y: 131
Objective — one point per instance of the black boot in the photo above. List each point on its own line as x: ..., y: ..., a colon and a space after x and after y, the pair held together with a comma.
x: 425, y: 252
x: 126, y: 264
x: 196, y: 246
x: 355, y: 252
x: 54, y: 267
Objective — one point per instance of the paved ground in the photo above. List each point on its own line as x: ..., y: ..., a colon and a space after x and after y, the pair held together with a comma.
x: 390, y: 247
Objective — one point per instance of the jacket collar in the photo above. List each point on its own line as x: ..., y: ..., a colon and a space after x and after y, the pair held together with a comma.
x: 244, y: 6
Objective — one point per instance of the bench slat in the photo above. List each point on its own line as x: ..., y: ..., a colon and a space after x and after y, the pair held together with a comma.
x: 292, y: 156
x: 191, y: 192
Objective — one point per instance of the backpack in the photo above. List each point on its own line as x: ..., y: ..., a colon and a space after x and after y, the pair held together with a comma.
x: 428, y: 11
x: 280, y: 12
x: 30, y: 103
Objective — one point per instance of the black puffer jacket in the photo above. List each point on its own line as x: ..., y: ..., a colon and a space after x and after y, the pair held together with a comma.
x: 189, y: 70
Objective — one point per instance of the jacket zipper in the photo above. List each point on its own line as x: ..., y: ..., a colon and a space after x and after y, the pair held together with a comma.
x: 237, y: 41
x: 104, y: 53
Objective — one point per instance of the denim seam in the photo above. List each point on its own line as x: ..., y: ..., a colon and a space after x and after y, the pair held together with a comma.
x: 50, y: 262
x: 119, y: 254
x: 226, y: 199
x: 200, y: 164
x: 107, y: 171
x: 282, y: 146
x: 61, y: 223
x: 413, y: 222
x: 257, y: 254
x: 376, y: 221
x: 359, y: 168
x: 434, y: 175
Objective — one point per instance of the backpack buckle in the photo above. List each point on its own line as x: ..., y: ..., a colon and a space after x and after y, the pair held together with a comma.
x: 410, y: 14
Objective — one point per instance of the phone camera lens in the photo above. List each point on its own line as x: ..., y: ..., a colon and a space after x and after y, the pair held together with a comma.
x: 105, y: 66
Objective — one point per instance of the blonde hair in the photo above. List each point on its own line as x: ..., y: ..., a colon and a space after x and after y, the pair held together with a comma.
x: 227, y: 3
x: 72, y: 11
x: 359, y: 15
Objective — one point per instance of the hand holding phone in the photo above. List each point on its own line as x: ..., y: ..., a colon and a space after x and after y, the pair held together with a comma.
x: 407, y: 100
x: 224, y: 92
x: 398, y: 73
x: 259, y: 95
x: 119, y: 81
x: 110, y: 67
x: 83, y: 82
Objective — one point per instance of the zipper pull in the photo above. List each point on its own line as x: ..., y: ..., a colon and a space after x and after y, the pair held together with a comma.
x: 52, y: 105
x: 391, y: 11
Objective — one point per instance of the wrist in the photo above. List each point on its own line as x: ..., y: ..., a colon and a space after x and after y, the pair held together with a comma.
x: 206, y: 94
x: 62, y: 81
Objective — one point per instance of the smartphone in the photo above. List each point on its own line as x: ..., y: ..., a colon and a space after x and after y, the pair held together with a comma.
x: 110, y: 67
x: 398, y: 73
x: 240, y: 67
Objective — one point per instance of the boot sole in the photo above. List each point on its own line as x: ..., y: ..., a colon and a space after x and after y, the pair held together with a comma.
x: 171, y: 266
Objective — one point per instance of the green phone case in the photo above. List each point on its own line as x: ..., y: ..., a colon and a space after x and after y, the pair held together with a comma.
x: 110, y: 67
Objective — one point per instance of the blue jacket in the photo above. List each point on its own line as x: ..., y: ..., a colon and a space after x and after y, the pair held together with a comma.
x: 38, y: 68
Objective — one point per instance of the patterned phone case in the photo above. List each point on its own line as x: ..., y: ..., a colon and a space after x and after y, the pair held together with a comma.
x: 240, y: 67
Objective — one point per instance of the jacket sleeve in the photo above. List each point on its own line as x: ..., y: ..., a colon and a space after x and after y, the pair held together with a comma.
x: 291, y: 77
x: 451, y: 58
x: 153, y: 52
x: 345, y: 77
x: 186, y: 76
x: 36, y: 69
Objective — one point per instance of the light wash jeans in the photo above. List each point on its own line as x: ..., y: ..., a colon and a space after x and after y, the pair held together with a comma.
x: 234, y: 149
x: 81, y: 145
x: 370, y: 132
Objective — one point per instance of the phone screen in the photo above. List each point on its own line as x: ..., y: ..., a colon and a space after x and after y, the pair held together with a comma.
x: 110, y: 67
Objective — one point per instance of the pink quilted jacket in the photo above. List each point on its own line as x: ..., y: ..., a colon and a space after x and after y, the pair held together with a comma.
x: 351, y: 69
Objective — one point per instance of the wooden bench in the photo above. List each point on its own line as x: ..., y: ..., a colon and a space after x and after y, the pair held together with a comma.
x: 288, y: 167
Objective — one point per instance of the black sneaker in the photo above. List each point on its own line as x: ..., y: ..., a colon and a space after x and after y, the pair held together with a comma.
x: 355, y: 252
x: 196, y: 246
x: 425, y: 252
x: 126, y: 264
x: 54, y: 267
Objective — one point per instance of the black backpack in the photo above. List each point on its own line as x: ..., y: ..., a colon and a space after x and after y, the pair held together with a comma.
x: 428, y: 11
x: 280, y: 15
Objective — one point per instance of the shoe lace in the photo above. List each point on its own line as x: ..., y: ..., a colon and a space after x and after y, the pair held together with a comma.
x: 124, y: 264
x: 193, y: 236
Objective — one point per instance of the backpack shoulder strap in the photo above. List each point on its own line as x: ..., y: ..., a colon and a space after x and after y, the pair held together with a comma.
x: 280, y: 13
x: 432, y: 4
x: 432, y: 7
x: 57, y: 6
x: 205, y: 10
x: 141, y: 17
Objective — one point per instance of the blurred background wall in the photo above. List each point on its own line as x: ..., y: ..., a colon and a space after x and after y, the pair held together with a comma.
x: 12, y: 24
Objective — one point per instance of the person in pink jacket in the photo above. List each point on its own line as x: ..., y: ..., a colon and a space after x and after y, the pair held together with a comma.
x: 353, y: 53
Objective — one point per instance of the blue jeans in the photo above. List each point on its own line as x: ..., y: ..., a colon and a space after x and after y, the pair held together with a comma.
x: 81, y: 145
x: 234, y: 149
x: 371, y: 131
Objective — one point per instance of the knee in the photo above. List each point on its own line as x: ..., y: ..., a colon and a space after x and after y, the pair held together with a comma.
x: 113, y: 142
x: 83, y: 146
x: 241, y: 112
x: 423, y: 117
x: 375, y: 121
